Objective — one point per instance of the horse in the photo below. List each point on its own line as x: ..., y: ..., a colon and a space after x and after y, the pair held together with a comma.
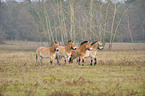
x: 97, y: 45
x: 65, y: 51
x: 80, y: 52
x: 44, y: 52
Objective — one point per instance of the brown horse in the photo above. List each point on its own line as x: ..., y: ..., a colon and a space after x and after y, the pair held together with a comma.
x: 44, y: 52
x: 80, y: 52
x: 65, y: 51
x: 95, y: 45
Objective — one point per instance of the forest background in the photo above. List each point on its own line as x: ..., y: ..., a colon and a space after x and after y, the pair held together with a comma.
x: 61, y: 20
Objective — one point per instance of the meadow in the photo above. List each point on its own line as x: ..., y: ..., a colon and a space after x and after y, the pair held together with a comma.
x: 117, y: 73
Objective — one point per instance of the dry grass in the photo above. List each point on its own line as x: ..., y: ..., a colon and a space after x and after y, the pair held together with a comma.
x: 126, y: 46
x: 27, y: 45
x: 117, y: 73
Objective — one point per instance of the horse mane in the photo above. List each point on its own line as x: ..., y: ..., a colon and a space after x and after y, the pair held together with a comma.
x: 84, y: 42
x: 54, y: 43
x: 94, y: 43
x: 69, y: 41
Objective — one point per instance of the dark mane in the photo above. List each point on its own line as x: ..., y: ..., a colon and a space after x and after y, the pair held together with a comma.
x: 69, y: 41
x: 84, y: 42
x: 54, y: 43
x: 94, y: 43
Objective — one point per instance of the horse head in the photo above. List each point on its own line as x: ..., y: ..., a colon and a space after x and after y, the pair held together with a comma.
x: 87, y: 45
x: 55, y: 46
x: 73, y: 46
x: 99, y: 45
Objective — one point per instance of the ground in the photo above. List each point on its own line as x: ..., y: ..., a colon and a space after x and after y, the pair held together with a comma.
x: 116, y: 73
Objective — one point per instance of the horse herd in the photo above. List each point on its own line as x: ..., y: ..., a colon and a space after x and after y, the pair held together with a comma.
x: 69, y: 52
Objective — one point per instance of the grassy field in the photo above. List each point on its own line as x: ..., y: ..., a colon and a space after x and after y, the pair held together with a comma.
x: 30, y: 45
x: 118, y: 73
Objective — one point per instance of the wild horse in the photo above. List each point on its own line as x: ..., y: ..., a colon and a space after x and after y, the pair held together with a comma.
x: 97, y: 45
x: 44, y: 52
x: 65, y: 51
x: 80, y: 52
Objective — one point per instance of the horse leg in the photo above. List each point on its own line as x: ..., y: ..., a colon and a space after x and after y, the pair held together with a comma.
x: 68, y: 58
x: 83, y: 62
x: 65, y: 61
x: 65, y: 58
x: 79, y: 60
x: 37, y: 61
x: 50, y: 61
x: 95, y: 61
x: 41, y: 60
x: 57, y: 58
x: 58, y: 61
x: 91, y: 61
x: 71, y: 59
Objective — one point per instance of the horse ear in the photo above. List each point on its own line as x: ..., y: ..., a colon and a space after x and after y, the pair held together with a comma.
x: 69, y: 41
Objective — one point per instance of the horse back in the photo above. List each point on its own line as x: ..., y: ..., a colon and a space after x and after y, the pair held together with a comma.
x: 61, y: 50
x: 76, y: 53
x: 43, y: 51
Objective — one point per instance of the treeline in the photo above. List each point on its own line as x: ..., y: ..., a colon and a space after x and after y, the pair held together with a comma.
x: 61, y: 20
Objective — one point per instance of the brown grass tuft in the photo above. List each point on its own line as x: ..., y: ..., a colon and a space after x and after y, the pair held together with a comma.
x: 77, y: 81
x: 61, y: 93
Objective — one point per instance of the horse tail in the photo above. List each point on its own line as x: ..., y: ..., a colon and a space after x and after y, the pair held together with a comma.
x: 70, y: 60
x: 36, y: 56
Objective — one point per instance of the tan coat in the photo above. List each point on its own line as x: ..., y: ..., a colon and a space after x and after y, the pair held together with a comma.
x: 80, y: 52
x: 96, y: 46
x: 65, y: 51
x: 44, y: 52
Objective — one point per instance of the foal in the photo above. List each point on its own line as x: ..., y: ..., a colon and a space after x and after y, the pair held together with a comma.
x: 80, y: 52
x: 44, y: 52
x: 95, y: 45
x: 65, y: 51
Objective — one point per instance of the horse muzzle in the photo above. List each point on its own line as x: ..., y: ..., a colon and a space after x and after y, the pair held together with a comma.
x: 91, y: 49
x: 57, y: 49
x: 101, y: 48
x: 74, y: 48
